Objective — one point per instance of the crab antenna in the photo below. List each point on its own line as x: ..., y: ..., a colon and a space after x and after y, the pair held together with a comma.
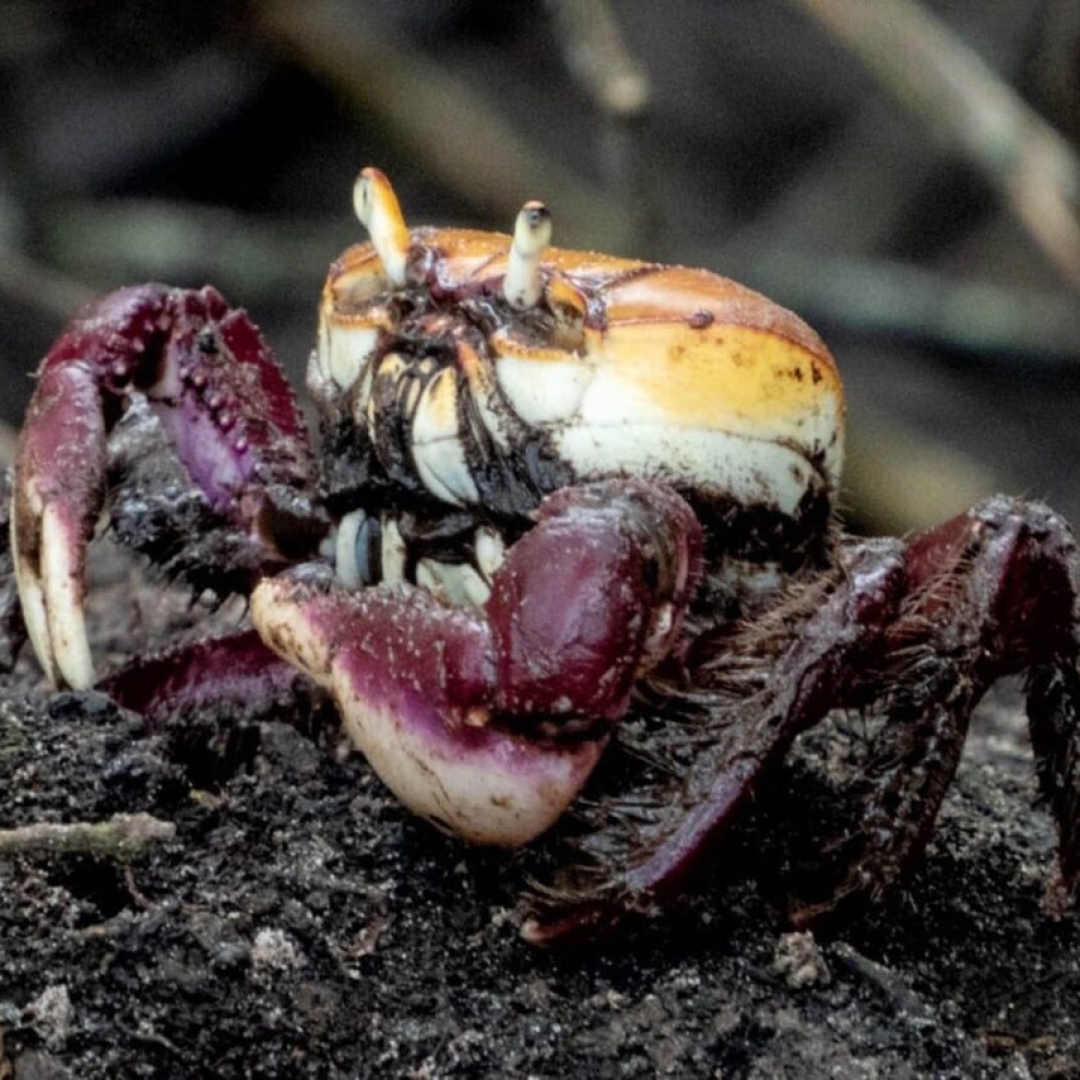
x: 532, y: 234
x: 380, y: 213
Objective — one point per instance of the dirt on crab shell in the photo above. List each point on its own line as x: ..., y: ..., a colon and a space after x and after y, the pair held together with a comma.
x: 300, y: 923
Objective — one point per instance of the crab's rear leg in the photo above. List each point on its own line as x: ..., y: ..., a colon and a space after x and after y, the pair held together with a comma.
x: 737, y: 740
x: 1053, y: 707
x: 223, y: 404
x: 992, y: 592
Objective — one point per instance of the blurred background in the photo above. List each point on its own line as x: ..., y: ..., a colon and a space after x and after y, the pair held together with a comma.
x: 903, y: 174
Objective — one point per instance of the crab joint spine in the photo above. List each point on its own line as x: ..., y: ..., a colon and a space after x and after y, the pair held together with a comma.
x: 379, y: 212
x: 532, y: 234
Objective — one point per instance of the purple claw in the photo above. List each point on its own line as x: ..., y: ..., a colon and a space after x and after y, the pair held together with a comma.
x: 222, y: 401
x: 411, y: 679
x: 489, y: 721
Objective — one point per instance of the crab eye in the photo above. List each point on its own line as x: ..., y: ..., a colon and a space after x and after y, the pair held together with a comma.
x: 523, y: 286
x: 357, y: 551
x: 379, y: 212
x: 362, y: 200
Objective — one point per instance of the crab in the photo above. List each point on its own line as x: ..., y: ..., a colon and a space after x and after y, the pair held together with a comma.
x: 562, y: 500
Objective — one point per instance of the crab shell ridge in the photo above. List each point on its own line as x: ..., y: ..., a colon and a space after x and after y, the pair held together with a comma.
x: 658, y: 371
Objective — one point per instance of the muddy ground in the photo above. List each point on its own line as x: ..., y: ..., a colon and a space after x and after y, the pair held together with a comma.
x: 300, y: 924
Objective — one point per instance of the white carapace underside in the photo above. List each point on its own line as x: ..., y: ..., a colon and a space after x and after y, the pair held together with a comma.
x: 602, y: 421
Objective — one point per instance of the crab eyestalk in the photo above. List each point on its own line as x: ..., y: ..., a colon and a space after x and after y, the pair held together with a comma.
x: 379, y: 212
x: 523, y: 286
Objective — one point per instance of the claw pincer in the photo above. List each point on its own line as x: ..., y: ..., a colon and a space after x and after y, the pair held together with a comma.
x: 488, y: 721
x: 224, y: 406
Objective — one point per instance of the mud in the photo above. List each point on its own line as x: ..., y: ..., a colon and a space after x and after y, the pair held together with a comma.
x: 300, y: 924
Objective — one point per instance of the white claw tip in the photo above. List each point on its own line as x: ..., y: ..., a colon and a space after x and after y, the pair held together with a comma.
x: 532, y: 234
x: 50, y: 589
x: 379, y: 212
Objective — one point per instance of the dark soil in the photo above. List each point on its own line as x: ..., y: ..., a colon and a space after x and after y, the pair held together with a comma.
x: 302, y: 924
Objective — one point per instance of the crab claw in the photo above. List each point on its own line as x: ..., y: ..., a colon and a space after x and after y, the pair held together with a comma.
x: 489, y: 720
x: 411, y: 679
x: 58, y: 492
x: 222, y: 403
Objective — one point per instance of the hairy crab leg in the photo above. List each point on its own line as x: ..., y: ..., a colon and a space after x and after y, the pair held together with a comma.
x: 222, y: 402
x: 1053, y: 708
x: 488, y: 721
x: 912, y: 762
x: 972, y: 614
x: 806, y: 682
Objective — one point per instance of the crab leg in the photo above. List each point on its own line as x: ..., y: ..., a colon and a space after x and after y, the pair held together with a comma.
x: 1053, y: 707
x: 488, y: 721
x: 973, y: 613
x: 235, y: 675
x: 937, y: 622
x: 222, y: 402
x: 806, y: 682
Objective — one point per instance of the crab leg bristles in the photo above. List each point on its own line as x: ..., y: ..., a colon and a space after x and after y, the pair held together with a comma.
x: 233, y: 425
x: 379, y: 212
x: 523, y: 285
x: 736, y: 742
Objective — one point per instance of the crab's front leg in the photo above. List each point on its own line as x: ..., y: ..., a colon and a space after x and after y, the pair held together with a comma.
x: 488, y: 721
x: 223, y: 404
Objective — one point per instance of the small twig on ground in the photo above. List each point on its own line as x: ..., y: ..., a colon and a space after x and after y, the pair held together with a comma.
x: 136, y: 894
x: 122, y: 837
x: 934, y: 74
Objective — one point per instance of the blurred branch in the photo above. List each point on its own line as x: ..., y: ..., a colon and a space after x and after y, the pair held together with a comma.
x: 151, y: 119
x: 182, y: 242
x: 870, y: 164
x: 939, y: 79
x: 446, y: 124
x: 902, y: 478
x: 617, y: 84
x: 597, y: 56
x: 919, y: 305
x: 8, y: 439
x: 185, y: 243
x: 40, y: 286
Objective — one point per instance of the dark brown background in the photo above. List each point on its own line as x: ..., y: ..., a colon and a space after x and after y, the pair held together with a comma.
x: 219, y: 141
x: 301, y: 924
